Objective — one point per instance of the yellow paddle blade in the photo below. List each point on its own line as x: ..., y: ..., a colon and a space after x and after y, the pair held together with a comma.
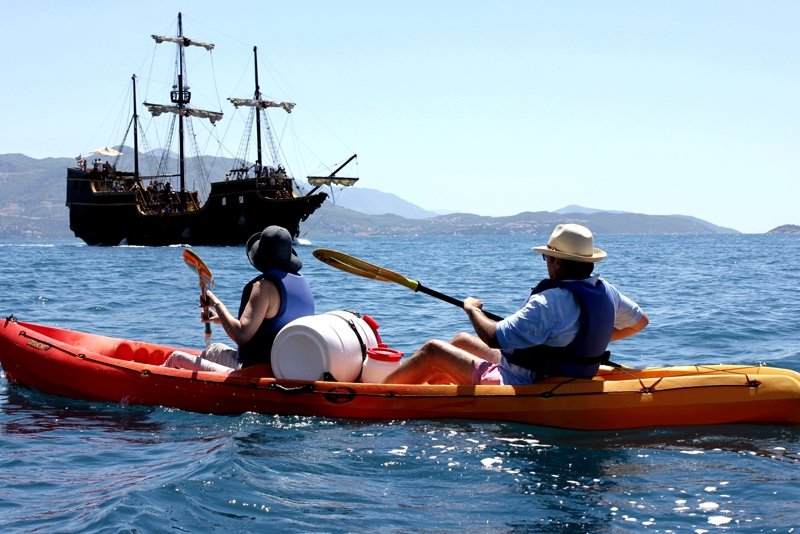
x: 349, y: 264
x: 352, y: 265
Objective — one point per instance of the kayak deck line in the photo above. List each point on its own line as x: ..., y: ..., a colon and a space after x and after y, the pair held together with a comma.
x: 274, y: 384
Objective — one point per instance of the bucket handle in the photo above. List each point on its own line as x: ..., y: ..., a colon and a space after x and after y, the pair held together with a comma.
x: 373, y: 324
x: 361, y: 342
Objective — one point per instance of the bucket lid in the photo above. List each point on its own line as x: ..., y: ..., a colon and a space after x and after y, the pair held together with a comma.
x: 384, y: 354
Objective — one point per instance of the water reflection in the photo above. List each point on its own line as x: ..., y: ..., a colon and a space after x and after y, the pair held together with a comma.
x: 767, y: 441
x: 26, y: 411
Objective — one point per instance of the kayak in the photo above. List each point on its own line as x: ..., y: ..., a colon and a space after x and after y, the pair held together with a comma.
x: 94, y: 367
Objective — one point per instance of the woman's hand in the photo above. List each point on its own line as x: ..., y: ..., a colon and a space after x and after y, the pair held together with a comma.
x: 209, y: 315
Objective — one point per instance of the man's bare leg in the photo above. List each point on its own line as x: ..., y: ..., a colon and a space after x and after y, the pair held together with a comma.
x: 431, y: 361
x: 474, y: 345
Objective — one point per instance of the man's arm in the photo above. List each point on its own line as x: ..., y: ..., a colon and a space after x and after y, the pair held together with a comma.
x: 485, y: 328
x: 629, y: 331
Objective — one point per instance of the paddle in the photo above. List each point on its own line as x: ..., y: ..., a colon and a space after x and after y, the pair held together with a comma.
x: 206, y: 280
x: 349, y: 264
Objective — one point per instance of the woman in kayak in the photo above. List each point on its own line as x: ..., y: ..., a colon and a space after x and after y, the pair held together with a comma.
x: 562, y: 330
x: 274, y: 298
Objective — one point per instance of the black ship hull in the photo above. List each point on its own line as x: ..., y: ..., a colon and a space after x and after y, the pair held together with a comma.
x: 233, y: 212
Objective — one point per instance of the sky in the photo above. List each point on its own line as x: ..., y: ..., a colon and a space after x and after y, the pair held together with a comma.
x: 687, y: 107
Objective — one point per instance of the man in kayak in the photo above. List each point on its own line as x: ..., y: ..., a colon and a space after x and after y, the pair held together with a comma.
x: 562, y: 330
x: 277, y: 296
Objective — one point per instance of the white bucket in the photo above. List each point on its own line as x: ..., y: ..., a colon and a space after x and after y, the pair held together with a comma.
x: 309, y: 347
x: 379, y: 363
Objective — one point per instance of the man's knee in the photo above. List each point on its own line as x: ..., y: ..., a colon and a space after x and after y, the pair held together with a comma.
x: 463, y: 338
x: 433, y: 346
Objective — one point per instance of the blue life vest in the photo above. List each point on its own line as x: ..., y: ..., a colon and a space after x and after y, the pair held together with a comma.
x: 296, y: 301
x: 582, y: 357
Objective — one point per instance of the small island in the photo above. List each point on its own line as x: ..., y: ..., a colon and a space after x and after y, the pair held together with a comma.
x: 786, y: 229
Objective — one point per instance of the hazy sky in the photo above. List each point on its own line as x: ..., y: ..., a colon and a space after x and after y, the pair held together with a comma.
x: 673, y: 107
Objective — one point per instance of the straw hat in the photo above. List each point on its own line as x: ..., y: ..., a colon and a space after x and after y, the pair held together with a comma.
x: 572, y: 242
x: 272, y: 249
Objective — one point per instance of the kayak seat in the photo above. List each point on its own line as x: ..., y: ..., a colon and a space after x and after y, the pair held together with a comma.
x: 124, y: 351
x: 141, y: 355
x: 156, y: 357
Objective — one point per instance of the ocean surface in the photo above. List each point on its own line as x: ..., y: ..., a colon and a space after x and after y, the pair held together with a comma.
x: 73, y: 466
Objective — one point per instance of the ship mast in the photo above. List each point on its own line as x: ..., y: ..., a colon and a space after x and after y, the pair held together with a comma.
x: 260, y: 104
x: 258, y: 115
x: 180, y: 97
x: 135, y: 131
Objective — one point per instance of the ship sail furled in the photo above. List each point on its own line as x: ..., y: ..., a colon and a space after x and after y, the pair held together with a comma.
x: 335, y: 180
x: 184, y: 41
x: 158, y: 109
x: 332, y: 179
x: 181, y: 95
x: 262, y: 104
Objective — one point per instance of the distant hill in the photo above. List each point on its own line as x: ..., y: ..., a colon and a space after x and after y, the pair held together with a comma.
x: 33, y: 194
x: 786, y: 229
x: 652, y: 223
x: 572, y: 208
x: 374, y: 202
x: 337, y: 220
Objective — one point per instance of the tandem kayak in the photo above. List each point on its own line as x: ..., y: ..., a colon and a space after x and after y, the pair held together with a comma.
x: 99, y: 368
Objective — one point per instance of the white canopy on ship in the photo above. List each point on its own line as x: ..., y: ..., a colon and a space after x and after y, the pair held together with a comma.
x: 263, y: 104
x: 183, y: 41
x: 158, y: 109
x: 105, y: 151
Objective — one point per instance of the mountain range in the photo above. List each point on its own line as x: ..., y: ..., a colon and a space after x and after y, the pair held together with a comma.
x: 32, y: 205
x: 336, y: 219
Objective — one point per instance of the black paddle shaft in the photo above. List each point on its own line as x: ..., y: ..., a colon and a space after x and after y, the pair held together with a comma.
x: 451, y: 300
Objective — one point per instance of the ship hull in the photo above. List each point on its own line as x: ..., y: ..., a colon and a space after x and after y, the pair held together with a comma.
x: 233, y: 212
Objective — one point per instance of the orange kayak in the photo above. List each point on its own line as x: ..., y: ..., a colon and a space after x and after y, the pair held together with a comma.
x: 100, y: 368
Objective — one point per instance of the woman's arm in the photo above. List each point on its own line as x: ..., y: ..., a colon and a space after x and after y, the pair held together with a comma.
x: 264, y: 303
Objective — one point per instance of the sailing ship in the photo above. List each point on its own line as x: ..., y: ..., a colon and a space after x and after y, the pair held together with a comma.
x: 111, y: 206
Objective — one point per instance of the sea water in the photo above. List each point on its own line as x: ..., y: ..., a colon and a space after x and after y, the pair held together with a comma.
x: 73, y: 466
